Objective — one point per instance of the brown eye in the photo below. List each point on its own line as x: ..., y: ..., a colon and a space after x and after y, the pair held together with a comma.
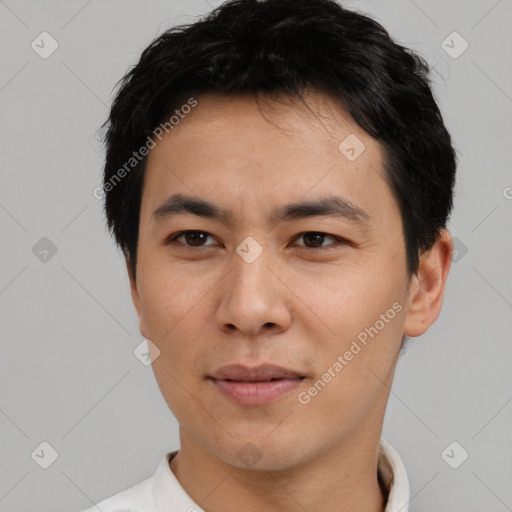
x: 314, y: 239
x: 191, y: 238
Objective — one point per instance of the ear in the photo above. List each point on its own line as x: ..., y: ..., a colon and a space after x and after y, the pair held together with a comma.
x: 426, y: 290
x: 135, y: 295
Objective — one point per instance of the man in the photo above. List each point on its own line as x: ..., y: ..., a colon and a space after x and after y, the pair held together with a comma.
x: 279, y: 178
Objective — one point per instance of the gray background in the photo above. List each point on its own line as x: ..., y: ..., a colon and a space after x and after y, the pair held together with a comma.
x: 68, y: 328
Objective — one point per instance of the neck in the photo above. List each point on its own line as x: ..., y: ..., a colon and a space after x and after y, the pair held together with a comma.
x: 341, y: 479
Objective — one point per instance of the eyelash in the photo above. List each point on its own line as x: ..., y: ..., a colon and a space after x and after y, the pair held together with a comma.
x: 337, y: 240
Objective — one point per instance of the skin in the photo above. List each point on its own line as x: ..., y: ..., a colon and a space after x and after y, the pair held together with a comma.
x: 297, y: 305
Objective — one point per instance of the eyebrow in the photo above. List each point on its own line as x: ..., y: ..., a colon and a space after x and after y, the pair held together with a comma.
x: 331, y: 206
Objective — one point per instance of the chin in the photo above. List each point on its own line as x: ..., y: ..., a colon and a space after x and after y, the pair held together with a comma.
x: 260, y: 452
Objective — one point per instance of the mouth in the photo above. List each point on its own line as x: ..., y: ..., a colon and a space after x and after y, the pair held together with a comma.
x: 261, y: 373
x: 266, y: 380
x: 255, y: 386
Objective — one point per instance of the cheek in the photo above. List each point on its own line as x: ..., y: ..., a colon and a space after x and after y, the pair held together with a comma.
x: 349, y: 297
x: 355, y: 367
x: 176, y: 318
x: 358, y: 314
x: 167, y: 298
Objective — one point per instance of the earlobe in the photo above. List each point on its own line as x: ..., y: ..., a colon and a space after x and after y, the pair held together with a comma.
x: 427, y: 286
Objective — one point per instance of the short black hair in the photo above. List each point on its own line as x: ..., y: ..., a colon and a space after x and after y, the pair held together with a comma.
x: 288, y: 47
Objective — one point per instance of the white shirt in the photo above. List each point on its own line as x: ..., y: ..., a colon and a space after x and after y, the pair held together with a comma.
x: 163, y: 492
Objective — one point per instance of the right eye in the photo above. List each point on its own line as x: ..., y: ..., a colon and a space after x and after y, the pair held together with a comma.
x: 191, y: 238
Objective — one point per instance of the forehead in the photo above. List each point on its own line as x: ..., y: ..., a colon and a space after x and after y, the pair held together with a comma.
x: 279, y: 114
x: 269, y: 149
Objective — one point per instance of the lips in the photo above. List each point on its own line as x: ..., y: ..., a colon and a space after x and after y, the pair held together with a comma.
x: 257, y: 386
x: 262, y: 373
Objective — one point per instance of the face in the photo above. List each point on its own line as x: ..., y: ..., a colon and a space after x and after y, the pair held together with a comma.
x: 322, y: 292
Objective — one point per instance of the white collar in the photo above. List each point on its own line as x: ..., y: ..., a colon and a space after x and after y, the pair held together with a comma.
x: 393, y: 474
x: 168, y: 491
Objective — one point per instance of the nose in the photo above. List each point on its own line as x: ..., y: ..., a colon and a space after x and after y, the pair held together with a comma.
x: 252, y: 299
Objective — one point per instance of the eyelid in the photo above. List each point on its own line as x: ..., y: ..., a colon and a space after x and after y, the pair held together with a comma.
x: 337, y: 240
x: 172, y: 238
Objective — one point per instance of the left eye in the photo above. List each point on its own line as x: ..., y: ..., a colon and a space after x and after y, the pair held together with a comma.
x: 313, y: 239
x: 317, y: 238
